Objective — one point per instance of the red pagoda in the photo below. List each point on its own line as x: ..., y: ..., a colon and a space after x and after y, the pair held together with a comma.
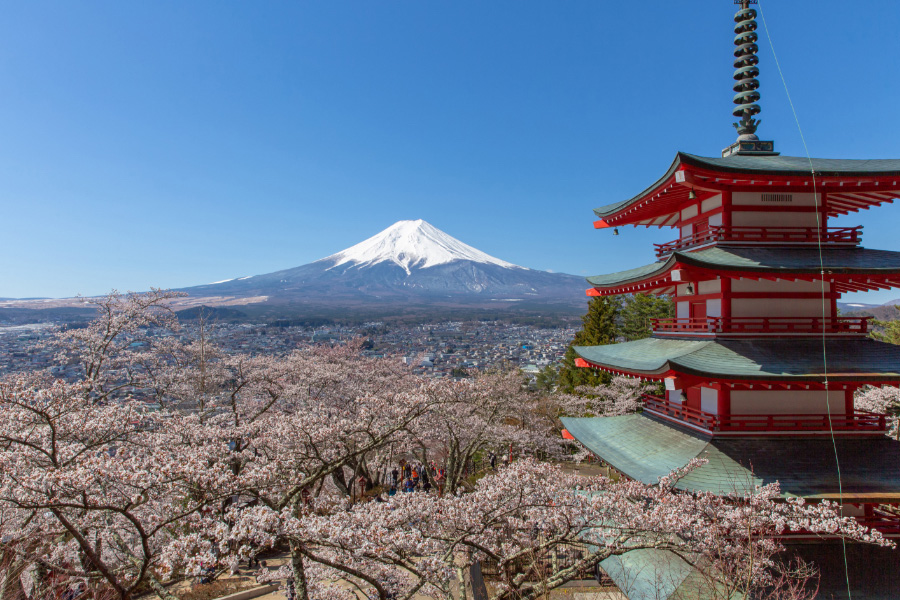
x: 759, y: 369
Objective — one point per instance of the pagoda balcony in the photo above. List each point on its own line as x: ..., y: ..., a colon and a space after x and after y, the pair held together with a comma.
x: 762, y: 326
x: 857, y: 422
x: 764, y: 236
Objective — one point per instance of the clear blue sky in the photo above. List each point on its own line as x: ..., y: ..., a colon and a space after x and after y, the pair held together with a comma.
x: 177, y: 143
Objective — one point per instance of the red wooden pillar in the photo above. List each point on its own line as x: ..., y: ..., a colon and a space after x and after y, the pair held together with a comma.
x: 726, y: 301
x: 726, y: 210
x: 848, y: 400
x: 724, y: 400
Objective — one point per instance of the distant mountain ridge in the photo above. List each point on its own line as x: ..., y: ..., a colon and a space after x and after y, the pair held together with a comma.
x: 409, y: 263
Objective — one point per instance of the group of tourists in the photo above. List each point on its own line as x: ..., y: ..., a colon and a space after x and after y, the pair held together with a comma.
x: 416, y: 477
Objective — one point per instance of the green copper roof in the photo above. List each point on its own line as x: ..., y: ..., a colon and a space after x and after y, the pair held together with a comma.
x: 767, y: 260
x: 767, y: 359
x: 782, y: 165
x: 646, y: 449
x: 794, y: 165
x: 651, y: 574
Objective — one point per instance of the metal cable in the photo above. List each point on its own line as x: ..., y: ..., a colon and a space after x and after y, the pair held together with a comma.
x: 822, y: 274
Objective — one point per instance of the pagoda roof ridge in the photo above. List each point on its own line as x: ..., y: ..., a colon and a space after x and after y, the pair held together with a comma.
x: 645, y: 449
x: 788, y: 166
x: 785, y: 360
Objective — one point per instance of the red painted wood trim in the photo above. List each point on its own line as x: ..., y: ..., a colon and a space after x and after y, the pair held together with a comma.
x: 790, y: 295
x: 580, y: 362
x: 681, y: 223
x: 686, y: 298
x: 601, y: 224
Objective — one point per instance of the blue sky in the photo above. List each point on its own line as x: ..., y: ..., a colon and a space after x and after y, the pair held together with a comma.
x: 178, y: 143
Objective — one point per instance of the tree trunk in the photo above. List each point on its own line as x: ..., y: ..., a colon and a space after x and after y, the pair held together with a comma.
x: 337, y: 477
x: 12, y: 582
x: 300, y: 589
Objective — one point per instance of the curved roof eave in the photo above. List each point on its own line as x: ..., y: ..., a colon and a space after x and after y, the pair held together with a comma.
x: 797, y: 166
x: 632, y: 275
x: 645, y: 449
x: 609, y: 209
x: 782, y: 261
x: 766, y: 359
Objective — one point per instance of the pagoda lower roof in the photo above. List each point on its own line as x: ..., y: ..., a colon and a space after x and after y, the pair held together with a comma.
x: 766, y: 262
x: 646, y: 449
x: 871, y: 572
x: 879, y: 174
x: 654, y: 574
x: 767, y: 359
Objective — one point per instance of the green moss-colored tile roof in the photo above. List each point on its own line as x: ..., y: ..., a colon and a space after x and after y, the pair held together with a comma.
x: 873, y: 572
x: 767, y: 260
x: 651, y: 574
x: 782, y: 165
x: 646, y: 449
x: 766, y: 359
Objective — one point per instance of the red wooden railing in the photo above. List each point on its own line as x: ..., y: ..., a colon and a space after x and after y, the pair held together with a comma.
x: 847, y: 236
x: 858, y: 420
x: 886, y: 523
x: 764, y: 325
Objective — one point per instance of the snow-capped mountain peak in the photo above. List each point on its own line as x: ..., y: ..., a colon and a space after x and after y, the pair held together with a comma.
x: 412, y: 244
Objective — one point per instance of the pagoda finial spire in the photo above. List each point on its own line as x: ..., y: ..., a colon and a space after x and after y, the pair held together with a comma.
x: 746, y: 85
x: 745, y: 60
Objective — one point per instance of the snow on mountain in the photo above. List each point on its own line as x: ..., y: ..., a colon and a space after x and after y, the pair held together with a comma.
x: 412, y: 244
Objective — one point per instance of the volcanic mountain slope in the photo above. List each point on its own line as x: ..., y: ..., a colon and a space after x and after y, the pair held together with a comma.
x: 409, y: 262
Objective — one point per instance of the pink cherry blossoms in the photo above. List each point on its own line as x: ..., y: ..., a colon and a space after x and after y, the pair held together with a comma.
x: 244, y: 454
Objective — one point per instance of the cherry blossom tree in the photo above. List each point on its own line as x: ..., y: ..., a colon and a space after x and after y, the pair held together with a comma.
x: 489, y: 412
x: 258, y: 451
x: 883, y: 399
x: 523, y: 516
x: 96, y: 492
x: 109, y: 347
x: 621, y: 396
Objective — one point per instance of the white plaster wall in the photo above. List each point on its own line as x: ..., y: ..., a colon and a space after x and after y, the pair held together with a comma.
x: 674, y: 396
x: 779, y: 285
x: 712, y: 286
x: 783, y: 218
x: 715, y: 220
x: 689, y: 212
x: 785, y: 402
x: 709, y: 400
x: 755, y: 199
x: 779, y: 307
x: 683, y: 310
x: 687, y: 231
x: 714, y: 308
x: 711, y: 203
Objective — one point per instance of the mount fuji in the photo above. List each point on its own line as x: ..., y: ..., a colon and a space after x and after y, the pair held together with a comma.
x: 410, y: 264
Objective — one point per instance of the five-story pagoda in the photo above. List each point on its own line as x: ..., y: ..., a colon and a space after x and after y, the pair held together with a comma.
x: 759, y: 369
